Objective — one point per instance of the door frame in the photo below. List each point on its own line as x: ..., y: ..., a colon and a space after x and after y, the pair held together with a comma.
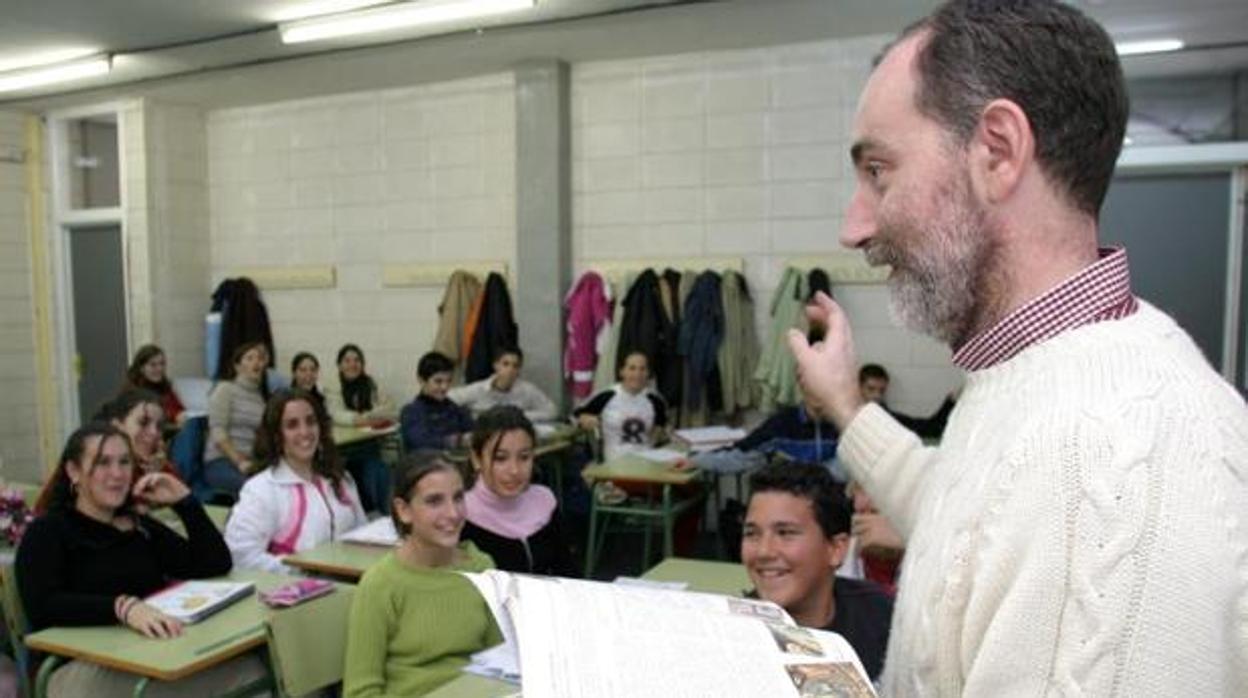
x: 1222, y: 158
x: 64, y: 220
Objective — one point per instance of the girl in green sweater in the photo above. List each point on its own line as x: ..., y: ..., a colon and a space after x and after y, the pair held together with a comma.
x: 415, y: 620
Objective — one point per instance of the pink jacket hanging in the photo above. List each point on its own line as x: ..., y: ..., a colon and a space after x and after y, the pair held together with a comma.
x: 588, y: 309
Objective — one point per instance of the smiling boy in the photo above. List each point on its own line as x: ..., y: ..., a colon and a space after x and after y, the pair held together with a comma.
x: 796, y: 535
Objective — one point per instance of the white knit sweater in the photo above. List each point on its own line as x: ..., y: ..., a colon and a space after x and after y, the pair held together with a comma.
x: 1081, y: 530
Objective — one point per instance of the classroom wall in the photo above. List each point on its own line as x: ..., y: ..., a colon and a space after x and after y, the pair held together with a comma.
x: 737, y: 154
x: 176, y: 211
x: 19, y: 449
x: 359, y: 181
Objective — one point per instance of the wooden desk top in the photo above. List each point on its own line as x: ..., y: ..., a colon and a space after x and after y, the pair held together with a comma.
x: 728, y: 578
x: 345, y: 436
x: 229, y: 633
x: 637, y: 469
x: 338, y: 559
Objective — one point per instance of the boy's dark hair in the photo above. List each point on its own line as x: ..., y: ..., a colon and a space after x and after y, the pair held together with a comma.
x: 871, y: 371
x: 432, y: 364
x: 509, y: 349
x: 408, y: 472
x: 1058, y: 65
x: 810, y: 482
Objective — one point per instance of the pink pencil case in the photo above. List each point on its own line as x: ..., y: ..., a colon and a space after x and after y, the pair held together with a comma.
x: 296, y: 593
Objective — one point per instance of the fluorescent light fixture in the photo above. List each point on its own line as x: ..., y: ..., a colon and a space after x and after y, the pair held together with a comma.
x: 393, y: 17
x: 1135, y: 48
x: 50, y: 74
x: 316, y: 8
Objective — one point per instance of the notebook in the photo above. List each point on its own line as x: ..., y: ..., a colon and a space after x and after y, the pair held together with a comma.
x: 191, y: 602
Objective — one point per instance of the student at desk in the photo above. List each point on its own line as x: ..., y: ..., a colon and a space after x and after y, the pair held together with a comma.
x: 139, y: 414
x: 91, y: 558
x: 301, y: 497
x: 796, y: 535
x: 359, y: 402
x: 415, y: 620
x: 509, y: 517
x: 305, y: 374
x: 148, y: 371
x: 234, y: 409
x: 432, y: 420
x: 628, y: 417
x: 506, y: 387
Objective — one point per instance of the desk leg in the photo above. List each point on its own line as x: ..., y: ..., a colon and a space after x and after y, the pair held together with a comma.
x: 46, y: 669
x: 667, y: 521
x: 719, y: 525
x: 141, y: 687
x: 593, y: 534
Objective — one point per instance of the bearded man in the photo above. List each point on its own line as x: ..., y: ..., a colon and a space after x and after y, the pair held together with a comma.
x: 1083, y: 527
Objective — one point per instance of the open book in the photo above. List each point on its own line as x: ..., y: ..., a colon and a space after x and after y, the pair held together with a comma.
x: 191, y: 602
x: 573, y: 638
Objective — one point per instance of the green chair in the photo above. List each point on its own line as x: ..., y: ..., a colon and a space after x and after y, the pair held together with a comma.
x: 308, y: 642
x: 15, y: 624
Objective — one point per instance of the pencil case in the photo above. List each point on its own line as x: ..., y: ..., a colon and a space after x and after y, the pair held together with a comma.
x: 296, y: 593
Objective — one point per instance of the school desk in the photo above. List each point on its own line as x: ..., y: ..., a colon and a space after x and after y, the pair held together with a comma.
x: 351, y: 436
x: 229, y: 633
x: 338, y: 559
x: 710, y: 576
x: 635, y: 469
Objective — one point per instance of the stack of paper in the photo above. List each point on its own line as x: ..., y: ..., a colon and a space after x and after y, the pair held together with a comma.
x: 708, y: 438
x: 377, y: 532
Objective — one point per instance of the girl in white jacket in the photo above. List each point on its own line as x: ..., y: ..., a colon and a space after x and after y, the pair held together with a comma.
x: 301, y: 498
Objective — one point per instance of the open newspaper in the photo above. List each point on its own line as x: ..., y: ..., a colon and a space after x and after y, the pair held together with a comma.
x: 570, y: 638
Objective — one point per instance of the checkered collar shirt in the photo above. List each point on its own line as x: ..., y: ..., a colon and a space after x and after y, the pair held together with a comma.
x: 1100, y: 292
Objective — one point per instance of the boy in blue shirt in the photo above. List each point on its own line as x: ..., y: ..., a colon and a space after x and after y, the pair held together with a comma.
x: 432, y: 420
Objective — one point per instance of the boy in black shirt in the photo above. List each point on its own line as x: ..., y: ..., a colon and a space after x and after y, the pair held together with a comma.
x: 796, y: 536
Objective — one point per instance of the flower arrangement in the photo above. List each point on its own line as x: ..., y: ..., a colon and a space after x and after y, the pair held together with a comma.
x: 14, y: 515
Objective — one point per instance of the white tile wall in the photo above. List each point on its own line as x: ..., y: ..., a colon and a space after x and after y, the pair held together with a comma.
x: 359, y: 181
x: 19, y: 444
x: 177, y: 205
x: 736, y: 153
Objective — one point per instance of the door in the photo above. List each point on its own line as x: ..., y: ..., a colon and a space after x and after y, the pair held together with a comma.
x: 99, y: 314
x: 1175, y: 228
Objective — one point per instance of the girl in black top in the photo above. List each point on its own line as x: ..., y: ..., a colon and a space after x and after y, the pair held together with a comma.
x: 509, y: 517
x: 93, y: 555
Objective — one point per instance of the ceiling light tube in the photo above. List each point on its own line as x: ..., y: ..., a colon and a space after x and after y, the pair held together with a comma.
x: 1136, y: 48
x: 59, y: 72
x: 392, y: 17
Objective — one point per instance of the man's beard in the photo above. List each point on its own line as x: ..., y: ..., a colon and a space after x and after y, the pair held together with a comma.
x: 940, y: 284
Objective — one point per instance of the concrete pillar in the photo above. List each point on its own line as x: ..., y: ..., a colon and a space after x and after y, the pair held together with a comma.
x: 543, y: 218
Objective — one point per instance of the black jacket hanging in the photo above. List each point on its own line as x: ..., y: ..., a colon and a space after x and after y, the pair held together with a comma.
x: 243, y: 319
x: 496, y: 328
x: 645, y: 328
x: 701, y: 333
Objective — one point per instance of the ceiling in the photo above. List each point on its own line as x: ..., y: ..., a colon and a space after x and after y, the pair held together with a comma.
x: 227, y: 52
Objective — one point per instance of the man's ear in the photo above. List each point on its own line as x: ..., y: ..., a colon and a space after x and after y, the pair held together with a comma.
x: 1001, y: 150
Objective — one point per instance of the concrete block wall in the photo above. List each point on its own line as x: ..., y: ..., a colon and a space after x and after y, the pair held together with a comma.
x: 176, y: 157
x: 738, y: 154
x: 422, y: 174
x: 19, y: 443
